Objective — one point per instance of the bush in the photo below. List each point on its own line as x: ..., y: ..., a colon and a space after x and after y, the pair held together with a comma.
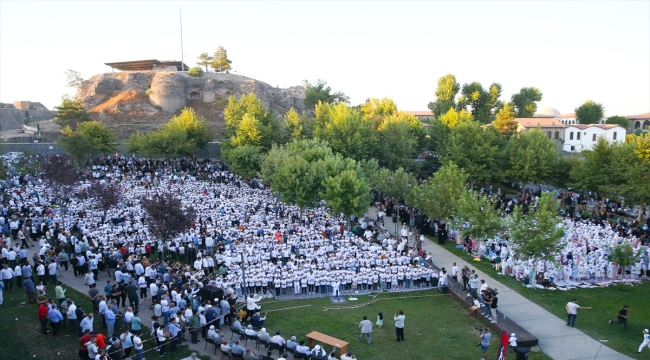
x: 195, y: 71
x: 148, y: 92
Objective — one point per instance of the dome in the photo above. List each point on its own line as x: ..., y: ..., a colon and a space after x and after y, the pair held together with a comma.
x: 549, y: 111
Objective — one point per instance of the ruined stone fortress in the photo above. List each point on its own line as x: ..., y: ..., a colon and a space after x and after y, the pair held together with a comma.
x: 14, y: 116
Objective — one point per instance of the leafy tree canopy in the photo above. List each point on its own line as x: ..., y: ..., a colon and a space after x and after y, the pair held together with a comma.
x: 73, y: 78
x: 531, y: 157
x: 321, y: 92
x: 90, y: 139
x: 453, y: 118
x: 204, y: 60
x: 525, y: 101
x: 505, y: 121
x: 244, y: 160
x: 346, y: 130
x: 446, y: 93
x: 220, y: 61
x: 438, y: 196
x: 70, y: 113
x: 590, y: 112
x: 619, y: 120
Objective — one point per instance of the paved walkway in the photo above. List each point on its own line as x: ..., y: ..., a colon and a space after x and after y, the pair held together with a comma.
x: 555, y: 338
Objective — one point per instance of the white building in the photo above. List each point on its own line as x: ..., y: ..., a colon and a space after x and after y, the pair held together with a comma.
x: 580, y: 137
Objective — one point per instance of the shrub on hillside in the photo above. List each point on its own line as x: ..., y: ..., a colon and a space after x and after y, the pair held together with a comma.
x: 195, y: 71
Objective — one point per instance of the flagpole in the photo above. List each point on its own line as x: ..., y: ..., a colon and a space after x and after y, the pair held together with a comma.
x: 180, y: 13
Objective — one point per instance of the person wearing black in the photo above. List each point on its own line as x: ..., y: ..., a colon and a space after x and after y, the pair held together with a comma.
x: 621, y: 318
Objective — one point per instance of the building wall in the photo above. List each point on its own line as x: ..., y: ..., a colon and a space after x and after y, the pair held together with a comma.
x: 589, y: 137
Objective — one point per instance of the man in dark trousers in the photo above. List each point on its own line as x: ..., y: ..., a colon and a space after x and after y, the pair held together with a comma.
x: 621, y: 318
x: 399, y: 325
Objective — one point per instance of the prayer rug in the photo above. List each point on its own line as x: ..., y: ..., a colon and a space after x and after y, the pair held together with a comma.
x: 338, y: 300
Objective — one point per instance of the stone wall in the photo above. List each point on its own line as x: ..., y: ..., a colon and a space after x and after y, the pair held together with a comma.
x: 13, y: 116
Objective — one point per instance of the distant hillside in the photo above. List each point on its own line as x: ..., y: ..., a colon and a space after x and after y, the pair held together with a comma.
x: 131, y: 101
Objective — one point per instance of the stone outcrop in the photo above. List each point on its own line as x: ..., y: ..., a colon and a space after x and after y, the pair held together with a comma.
x: 13, y: 116
x: 170, y: 91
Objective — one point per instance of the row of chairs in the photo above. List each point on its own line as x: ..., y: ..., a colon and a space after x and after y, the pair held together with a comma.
x: 270, y: 345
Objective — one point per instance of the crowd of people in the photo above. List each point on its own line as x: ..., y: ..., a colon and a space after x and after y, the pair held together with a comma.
x: 243, y: 241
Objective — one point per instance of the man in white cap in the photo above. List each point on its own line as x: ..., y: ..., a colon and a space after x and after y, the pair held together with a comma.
x: 646, y: 340
x: 318, y: 353
x: 212, y: 333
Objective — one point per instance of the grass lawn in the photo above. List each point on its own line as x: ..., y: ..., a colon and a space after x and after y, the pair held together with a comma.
x: 434, y: 325
x: 605, y: 301
x: 21, y: 336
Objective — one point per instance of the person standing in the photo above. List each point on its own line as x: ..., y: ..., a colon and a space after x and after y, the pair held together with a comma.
x: 485, y: 337
x: 399, y: 325
x: 366, y: 329
x: 572, y: 311
x: 646, y: 340
x: 42, y: 317
x: 621, y: 318
x: 55, y: 319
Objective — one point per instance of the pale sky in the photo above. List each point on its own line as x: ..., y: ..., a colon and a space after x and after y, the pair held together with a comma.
x: 571, y: 51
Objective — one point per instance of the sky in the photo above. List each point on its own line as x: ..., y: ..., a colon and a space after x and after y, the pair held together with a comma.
x: 572, y: 51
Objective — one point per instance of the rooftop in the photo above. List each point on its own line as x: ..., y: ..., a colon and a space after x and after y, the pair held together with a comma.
x: 639, y: 117
x: 541, y: 122
x: 602, y: 126
x: 145, y: 65
x: 420, y: 113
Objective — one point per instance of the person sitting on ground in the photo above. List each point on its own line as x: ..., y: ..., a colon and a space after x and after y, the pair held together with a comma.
x: 332, y: 355
x: 258, y: 321
x: 267, y: 356
x: 318, y: 353
x: 348, y: 356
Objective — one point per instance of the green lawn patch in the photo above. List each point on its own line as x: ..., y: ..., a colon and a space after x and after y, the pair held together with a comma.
x: 21, y: 332
x: 605, y: 301
x: 434, y: 325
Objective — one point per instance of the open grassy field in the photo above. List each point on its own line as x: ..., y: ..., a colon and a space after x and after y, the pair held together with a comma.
x: 21, y: 337
x: 605, y: 302
x: 435, y: 326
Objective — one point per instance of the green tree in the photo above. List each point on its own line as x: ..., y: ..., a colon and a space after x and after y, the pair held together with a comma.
x: 244, y: 160
x: 624, y: 254
x: 347, y: 193
x: 446, y: 93
x: 260, y: 128
x: 537, y: 235
x: 505, y: 121
x: 635, y: 175
x: 204, y: 60
x: 476, y: 150
x: 321, y: 92
x: 73, y: 78
x: 642, y: 145
x: 476, y: 217
x: 378, y: 109
x: 272, y: 162
x: 619, y: 120
x: 481, y: 101
x: 90, y: 139
x: 590, y: 112
x: 525, y: 101
x: 396, y: 185
x: 180, y: 136
x: 346, y: 130
x: 453, y: 118
x: 195, y: 72
x: 70, y: 113
x: 599, y: 171
x: 397, y: 147
x: 531, y: 157
x: 438, y: 196
x: 298, y: 126
x: 559, y: 176
x: 299, y: 181
x: 220, y: 61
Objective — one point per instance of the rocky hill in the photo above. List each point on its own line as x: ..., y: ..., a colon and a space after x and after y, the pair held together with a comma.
x: 144, y: 100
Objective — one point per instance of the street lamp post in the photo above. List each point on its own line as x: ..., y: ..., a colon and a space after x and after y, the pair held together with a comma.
x: 243, y: 273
